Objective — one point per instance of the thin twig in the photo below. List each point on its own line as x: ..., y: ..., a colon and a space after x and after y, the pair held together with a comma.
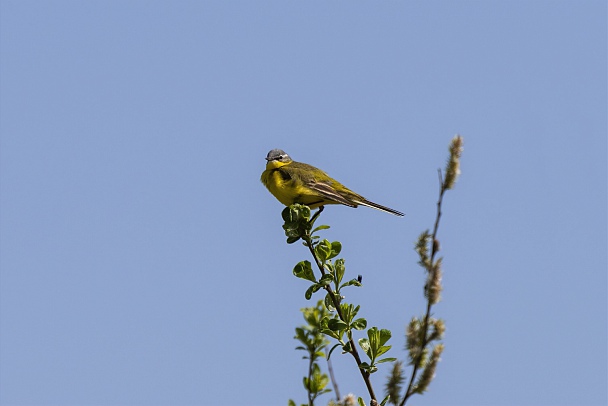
x: 332, y: 377
x: 427, y: 316
x: 310, y: 398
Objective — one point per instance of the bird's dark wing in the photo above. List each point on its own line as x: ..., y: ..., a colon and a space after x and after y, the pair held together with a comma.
x: 328, y: 192
x: 320, y: 183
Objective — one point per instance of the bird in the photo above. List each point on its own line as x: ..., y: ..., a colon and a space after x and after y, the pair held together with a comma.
x: 296, y: 182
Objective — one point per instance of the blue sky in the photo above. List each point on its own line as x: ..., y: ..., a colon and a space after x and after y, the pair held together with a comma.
x: 143, y: 263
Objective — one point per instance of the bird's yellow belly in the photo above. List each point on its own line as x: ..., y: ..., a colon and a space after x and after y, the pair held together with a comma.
x: 289, y: 191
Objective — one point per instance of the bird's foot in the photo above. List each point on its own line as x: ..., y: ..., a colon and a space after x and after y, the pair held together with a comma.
x: 314, y: 217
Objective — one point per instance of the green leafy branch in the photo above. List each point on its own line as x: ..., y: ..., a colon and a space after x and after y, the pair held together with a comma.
x: 374, y: 347
x: 299, y: 225
x: 314, y: 343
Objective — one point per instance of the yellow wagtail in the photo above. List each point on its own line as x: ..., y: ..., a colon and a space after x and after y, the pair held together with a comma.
x: 295, y: 182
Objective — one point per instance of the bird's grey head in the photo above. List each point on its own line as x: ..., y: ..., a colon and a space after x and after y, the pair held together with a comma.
x: 278, y: 155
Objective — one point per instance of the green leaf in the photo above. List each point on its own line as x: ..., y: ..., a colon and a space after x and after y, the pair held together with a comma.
x: 332, y: 350
x: 386, y: 399
x: 326, y: 280
x: 295, y: 213
x: 378, y: 337
x: 348, y: 312
x: 303, y: 270
x: 382, y: 350
x: 339, y: 269
x: 374, y: 336
x: 337, y: 335
x: 364, y: 344
x: 373, y: 346
x: 291, y: 240
x: 318, y: 381
x: 308, y: 293
x: 385, y: 335
x: 359, y: 324
x: 306, y: 382
x: 291, y: 403
x: 318, y: 354
x: 323, y: 250
x: 352, y: 282
x: 297, y: 223
x: 321, y: 227
x: 336, y: 247
x: 386, y: 360
x: 329, y: 303
x: 289, y: 215
x: 312, y: 289
x: 347, y: 347
x: 336, y: 325
x: 304, y: 212
x: 360, y: 402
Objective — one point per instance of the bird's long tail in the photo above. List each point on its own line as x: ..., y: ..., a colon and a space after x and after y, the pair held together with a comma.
x: 379, y: 207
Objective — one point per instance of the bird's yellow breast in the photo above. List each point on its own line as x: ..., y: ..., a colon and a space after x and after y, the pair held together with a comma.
x: 278, y: 186
x: 288, y: 190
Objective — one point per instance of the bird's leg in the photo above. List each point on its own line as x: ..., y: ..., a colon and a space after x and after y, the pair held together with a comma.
x: 314, y: 217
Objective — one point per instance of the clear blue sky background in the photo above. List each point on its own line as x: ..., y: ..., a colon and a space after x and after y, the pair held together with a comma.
x: 143, y: 263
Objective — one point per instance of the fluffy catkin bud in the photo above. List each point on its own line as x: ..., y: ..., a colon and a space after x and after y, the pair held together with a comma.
x: 349, y: 400
x: 394, y: 386
x: 452, y: 169
x: 414, y: 340
x: 433, y: 284
x: 428, y: 373
x: 422, y: 248
x: 438, y: 329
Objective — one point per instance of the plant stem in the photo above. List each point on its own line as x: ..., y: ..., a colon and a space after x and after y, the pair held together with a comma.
x: 431, y: 270
x: 331, y: 376
x: 310, y: 396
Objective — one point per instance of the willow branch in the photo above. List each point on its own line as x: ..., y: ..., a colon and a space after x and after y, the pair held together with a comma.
x: 435, y: 247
